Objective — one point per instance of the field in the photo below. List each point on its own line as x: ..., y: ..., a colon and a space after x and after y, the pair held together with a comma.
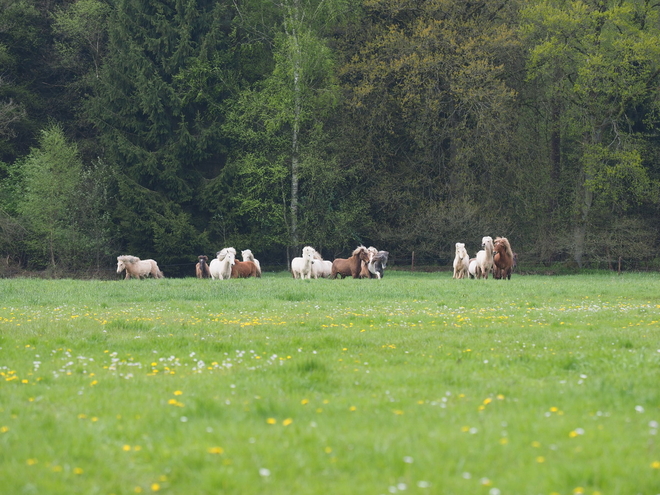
x: 414, y: 384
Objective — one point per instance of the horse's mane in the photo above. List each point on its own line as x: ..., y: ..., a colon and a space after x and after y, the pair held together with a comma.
x: 358, y: 250
x: 505, y: 242
x: 223, y: 253
x: 128, y: 259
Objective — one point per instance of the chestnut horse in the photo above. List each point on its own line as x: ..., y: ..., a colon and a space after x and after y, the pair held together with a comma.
x: 351, y: 266
x: 245, y: 269
x: 503, y: 259
x: 202, y: 267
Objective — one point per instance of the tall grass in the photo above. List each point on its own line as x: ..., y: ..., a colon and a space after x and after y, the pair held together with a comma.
x: 417, y: 383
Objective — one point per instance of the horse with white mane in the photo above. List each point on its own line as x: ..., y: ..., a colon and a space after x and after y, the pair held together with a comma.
x: 248, y: 256
x: 137, y: 268
x: 320, y: 267
x: 461, y: 261
x: 220, y: 267
x: 482, y: 265
x: 302, y: 266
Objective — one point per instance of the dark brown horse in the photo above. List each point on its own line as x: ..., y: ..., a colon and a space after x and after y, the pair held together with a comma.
x: 351, y: 266
x: 244, y: 269
x: 202, y: 267
x: 503, y: 259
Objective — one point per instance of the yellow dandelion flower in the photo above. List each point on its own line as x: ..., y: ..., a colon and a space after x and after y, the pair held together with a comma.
x: 487, y: 401
x: 271, y: 421
x: 655, y: 464
x: 536, y: 444
x: 500, y: 397
x: 216, y: 450
x: 93, y: 383
x: 178, y: 392
x: 155, y: 487
x: 573, y: 434
x: 287, y: 421
x: 304, y: 401
x: 504, y: 440
x: 554, y: 409
x: 31, y: 462
x: 352, y: 408
x: 126, y: 448
x: 4, y: 429
x: 465, y: 429
x: 578, y: 490
x: 77, y: 470
x: 328, y: 450
x: 398, y: 412
x: 137, y: 489
x: 540, y: 459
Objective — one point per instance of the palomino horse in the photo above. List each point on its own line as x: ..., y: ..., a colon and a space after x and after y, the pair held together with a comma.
x: 220, y: 267
x: 483, y: 263
x: 202, y: 267
x: 504, y: 259
x: 461, y: 261
x: 137, y: 268
x: 350, y: 266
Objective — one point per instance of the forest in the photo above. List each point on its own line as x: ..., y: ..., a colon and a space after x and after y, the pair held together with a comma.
x: 167, y: 129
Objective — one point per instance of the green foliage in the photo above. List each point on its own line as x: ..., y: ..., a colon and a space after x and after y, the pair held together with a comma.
x: 50, y: 180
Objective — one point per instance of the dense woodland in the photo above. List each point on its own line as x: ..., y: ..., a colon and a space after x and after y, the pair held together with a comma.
x: 172, y: 128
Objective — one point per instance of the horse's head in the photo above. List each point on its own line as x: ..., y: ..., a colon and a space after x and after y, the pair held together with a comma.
x: 247, y: 255
x: 120, y: 265
x: 308, y: 253
x: 487, y: 242
x: 362, y: 253
x: 203, y: 258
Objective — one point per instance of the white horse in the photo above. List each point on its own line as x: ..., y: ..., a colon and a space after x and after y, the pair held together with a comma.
x: 135, y: 267
x: 220, y: 267
x: 484, y: 260
x: 301, y: 267
x: 461, y: 261
x: 248, y: 256
x: 321, y: 267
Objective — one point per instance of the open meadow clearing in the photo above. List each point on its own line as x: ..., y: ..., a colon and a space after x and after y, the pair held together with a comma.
x: 413, y: 384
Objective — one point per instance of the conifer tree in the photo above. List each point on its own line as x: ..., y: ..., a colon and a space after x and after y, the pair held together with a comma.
x: 157, y: 108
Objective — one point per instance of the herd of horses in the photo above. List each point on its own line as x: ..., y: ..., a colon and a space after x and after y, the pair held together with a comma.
x: 495, y: 256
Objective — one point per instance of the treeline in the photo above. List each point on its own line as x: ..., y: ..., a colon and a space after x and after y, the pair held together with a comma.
x: 171, y: 128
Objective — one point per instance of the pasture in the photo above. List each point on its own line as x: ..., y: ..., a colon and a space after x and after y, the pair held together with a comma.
x: 416, y: 383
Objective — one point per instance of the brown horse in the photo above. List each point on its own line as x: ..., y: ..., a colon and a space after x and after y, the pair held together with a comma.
x: 351, y: 266
x: 503, y: 259
x: 244, y: 269
x: 202, y: 267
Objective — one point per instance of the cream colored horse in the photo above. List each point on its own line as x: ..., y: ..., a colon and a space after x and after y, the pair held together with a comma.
x: 137, y: 268
x: 461, y: 261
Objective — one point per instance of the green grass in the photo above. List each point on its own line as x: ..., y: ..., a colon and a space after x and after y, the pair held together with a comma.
x: 417, y: 383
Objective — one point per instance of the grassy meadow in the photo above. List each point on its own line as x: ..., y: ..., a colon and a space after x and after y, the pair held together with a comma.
x: 413, y: 384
